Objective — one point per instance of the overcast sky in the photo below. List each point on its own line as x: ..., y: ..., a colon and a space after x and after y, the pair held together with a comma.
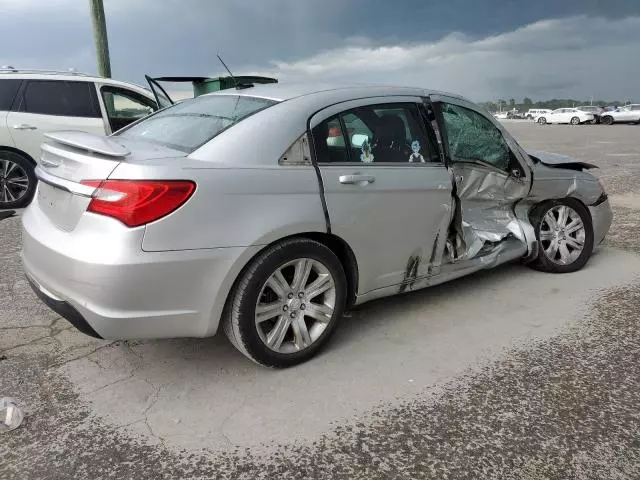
x: 482, y: 49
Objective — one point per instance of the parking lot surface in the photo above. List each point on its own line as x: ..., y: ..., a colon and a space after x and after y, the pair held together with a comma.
x: 508, y: 373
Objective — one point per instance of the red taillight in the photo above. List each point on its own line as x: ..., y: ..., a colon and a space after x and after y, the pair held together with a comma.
x: 138, y: 202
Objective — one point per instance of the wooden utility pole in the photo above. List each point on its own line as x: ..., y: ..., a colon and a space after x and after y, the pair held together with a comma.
x: 100, y: 38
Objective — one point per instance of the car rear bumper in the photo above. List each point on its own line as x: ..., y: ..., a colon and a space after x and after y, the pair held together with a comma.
x: 62, y: 308
x: 125, y: 293
x: 601, y: 216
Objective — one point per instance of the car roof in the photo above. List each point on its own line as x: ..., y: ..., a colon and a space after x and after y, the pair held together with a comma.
x: 287, y: 91
x: 73, y: 77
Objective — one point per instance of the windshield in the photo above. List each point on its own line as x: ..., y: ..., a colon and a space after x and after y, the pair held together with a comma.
x: 192, y: 123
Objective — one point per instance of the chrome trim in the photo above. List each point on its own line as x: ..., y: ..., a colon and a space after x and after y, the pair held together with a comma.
x: 63, y: 184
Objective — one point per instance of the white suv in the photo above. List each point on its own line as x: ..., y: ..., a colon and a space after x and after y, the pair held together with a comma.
x: 626, y: 114
x: 33, y: 103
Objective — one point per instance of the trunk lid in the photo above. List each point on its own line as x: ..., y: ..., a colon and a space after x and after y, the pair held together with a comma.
x: 68, y: 158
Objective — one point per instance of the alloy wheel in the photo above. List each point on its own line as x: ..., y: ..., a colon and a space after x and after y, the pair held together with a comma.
x: 562, y: 235
x: 14, y: 182
x: 295, y: 305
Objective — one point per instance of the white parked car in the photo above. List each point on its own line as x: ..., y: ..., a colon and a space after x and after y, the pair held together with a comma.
x: 534, y: 113
x: 566, y: 115
x: 501, y: 115
x: 33, y: 103
x: 626, y: 114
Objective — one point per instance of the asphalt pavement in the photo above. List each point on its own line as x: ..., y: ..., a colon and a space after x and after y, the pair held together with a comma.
x: 509, y: 374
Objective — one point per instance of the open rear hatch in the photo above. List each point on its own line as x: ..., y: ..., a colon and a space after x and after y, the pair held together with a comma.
x: 70, y: 161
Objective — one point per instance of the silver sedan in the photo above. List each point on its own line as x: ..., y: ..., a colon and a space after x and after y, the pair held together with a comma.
x: 271, y: 209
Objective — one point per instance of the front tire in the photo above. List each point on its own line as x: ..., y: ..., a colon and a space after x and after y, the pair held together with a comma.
x: 565, y: 235
x: 287, y: 303
x: 607, y: 120
x: 542, y: 121
x: 17, y: 180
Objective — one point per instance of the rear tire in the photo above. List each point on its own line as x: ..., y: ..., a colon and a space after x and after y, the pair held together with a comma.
x: 305, y: 321
x: 575, y: 121
x: 565, y: 235
x: 17, y: 180
x: 542, y: 121
x: 607, y: 120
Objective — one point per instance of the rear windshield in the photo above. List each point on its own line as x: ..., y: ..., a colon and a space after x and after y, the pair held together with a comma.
x: 192, y: 123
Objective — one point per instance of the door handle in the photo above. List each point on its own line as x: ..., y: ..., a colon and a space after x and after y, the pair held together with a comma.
x: 24, y: 126
x: 356, y: 179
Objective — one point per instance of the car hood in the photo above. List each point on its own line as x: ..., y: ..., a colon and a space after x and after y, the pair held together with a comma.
x: 558, y: 161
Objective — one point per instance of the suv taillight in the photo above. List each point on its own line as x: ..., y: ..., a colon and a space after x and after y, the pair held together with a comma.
x: 138, y: 202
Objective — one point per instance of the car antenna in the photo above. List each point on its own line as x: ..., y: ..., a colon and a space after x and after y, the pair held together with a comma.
x: 235, y: 82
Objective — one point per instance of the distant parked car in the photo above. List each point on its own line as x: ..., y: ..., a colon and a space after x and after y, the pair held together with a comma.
x: 566, y: 115
x: 35, y: 102
x: 534, y: 113
x: 594, y: 109
x: 501, y: 115
x: 626, y: 114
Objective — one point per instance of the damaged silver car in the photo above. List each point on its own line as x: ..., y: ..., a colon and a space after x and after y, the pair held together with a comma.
x: 271, y: 209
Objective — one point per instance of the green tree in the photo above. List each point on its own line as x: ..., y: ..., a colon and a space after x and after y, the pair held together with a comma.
x: 512, y: 102
x: 527, y: 102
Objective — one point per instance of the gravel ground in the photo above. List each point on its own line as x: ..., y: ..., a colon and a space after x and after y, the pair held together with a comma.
x: 565, y: 407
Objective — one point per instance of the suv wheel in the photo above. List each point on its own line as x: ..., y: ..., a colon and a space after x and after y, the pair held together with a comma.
x: 287, y: 303
x: 17, y: 180
x: 607, y: 120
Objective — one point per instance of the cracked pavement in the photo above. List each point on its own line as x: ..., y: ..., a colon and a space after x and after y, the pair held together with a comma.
x: 449, y: 382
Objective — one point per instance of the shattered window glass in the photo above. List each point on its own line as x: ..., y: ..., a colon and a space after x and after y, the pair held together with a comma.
x: 472, y: 137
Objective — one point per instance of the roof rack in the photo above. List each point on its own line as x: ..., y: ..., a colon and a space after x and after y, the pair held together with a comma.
x: 10, y: 69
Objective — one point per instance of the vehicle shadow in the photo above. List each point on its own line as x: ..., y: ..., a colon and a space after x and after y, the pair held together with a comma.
x: 203, y: 393
x: 365, y: 327
x: 372, y: 321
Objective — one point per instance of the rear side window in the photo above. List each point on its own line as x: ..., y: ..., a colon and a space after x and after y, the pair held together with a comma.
x: 192, y: 123
x: 55, y: 97
x: 8, y: 90
x: 390, y: 133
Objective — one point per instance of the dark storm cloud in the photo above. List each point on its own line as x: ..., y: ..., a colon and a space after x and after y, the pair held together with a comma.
x: 291, y: 38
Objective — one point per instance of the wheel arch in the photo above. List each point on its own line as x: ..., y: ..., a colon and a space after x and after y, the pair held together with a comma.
x: 17, y: 151
x: 347, y: 258
x: 334, y: 243
x: 534, y: 206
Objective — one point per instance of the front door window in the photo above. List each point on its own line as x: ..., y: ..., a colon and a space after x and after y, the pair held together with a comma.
x: 470, y: 137
x: 124, y: 106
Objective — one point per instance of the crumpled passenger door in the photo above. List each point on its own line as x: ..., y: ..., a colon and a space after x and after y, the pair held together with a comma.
x: 490, y: 174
